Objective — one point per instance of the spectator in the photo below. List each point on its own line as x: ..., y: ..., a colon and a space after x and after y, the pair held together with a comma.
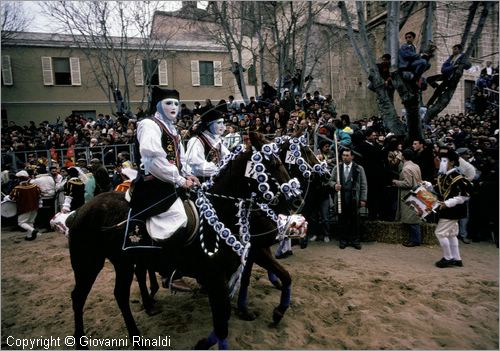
x: 424, y: 159
x: 448, y: 70
x: 102, y: 180
x: 411, y: 62
x: 409, y: 178
x: 353, y: 189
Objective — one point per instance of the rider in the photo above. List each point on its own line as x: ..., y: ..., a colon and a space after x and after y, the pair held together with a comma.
x: 155, y: 193
x: 207, y: 149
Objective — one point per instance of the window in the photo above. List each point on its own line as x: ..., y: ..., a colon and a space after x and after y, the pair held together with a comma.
x: 252, y: 75
x: 206, y: 73
x: 6, y: 71
x: 61, y: 71
x: 153, y: 72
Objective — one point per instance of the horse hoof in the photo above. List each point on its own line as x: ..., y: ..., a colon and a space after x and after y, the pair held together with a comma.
x: 277, y: 315
x: 246, y: 315
x: 277, y: 284
x: 152, y: 311
x: 203, y: 344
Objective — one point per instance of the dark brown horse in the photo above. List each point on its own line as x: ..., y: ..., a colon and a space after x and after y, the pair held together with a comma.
x: 91, y: 242
x: 311, y: 176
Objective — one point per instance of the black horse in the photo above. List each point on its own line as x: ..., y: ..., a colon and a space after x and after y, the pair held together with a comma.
x: 91, y: 241
x: 311, y: 176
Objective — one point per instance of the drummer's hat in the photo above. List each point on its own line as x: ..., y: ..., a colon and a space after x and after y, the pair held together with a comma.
x: 22, y: 174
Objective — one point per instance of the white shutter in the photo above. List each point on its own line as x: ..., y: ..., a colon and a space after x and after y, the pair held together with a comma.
x: 74, y: 64
x: 138, y: 73
x: 195, y: 73
x: 6, y: 71
x: 48, y: 78
x: 218, y: 73
x: 162, y: 72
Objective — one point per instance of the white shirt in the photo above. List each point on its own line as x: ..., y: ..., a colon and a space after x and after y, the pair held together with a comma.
x: 347, y: 170
x: 154, y: 158
x: 195, y: 154
x: 46, y: 184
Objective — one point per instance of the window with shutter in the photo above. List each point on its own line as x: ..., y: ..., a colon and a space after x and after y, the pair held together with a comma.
x: 150, y: 69
x: 74, y: 63
x: 62, y: 70
x: 162, y: 72
x: 48, y: 78
x: 195, y: 73
x: 217, y: 69
x: 138, y: 73
x: 6, y: 71
x: 206, y: 73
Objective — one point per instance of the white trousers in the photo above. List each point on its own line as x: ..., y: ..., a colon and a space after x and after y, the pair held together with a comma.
x: 446, y: 228
x: 27, y: 220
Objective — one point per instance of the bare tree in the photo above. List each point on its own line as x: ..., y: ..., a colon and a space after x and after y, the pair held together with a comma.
x: 408, y: 91
x: 451, y: 85
x: 112, y: 58
x: 366, y: 58
x: 14, y: 19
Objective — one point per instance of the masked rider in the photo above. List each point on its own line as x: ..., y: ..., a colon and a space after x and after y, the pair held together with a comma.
x: 207, y: 149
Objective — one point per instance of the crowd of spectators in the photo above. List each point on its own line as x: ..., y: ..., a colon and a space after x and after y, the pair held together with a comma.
x: 473, y: 133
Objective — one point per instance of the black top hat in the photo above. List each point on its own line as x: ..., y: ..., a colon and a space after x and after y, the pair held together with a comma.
x: 158, y: 94
x: 210, y: 116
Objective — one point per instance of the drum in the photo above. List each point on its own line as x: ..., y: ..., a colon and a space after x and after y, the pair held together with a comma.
x: 9, y: 208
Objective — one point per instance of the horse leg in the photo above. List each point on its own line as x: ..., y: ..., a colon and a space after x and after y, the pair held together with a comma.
x: 153, y: 282
x: 265, y: 259
x: 274, y: 280
x: 220, y: 305
x: 243, y: 311
x: 85, y: 276
x: 124, y: 276
x: 147, y: 300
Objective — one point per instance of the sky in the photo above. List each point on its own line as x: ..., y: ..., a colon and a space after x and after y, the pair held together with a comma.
x: 41, y: 23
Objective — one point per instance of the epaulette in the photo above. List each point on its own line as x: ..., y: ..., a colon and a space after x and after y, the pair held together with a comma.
x: 76, y: 181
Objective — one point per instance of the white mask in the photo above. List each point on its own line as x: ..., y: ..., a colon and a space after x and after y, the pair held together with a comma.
x: 443, y: 166
x: 217, y: 127
x: 168, y: 108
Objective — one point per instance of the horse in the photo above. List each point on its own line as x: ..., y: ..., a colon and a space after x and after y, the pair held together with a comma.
x: 301, y: 163
x: 95, y: 235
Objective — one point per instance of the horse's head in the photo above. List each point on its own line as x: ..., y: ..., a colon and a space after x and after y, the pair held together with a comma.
x: 301, y: 162
x: 255, y: 171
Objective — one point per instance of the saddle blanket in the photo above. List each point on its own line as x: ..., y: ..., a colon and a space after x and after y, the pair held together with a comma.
x: 58, y: 222
x: 137, y: 237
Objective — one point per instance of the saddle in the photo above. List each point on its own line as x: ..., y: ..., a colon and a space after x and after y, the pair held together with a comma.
x: 137, y: 237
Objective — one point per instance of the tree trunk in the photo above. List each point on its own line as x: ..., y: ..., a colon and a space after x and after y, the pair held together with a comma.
x: 444, y: 99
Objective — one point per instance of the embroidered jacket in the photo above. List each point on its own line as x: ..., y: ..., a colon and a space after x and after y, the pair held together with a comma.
x: 454, y: 189
x: 27, y: 196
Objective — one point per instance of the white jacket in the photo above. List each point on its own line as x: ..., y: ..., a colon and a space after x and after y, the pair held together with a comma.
x: 46, y: 184
x: 195, y: 155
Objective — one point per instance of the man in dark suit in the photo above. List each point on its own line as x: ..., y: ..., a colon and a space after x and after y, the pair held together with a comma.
x: 353, y: 189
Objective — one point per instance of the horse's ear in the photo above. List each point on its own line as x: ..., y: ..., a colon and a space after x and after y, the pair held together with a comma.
x: 256, y: 140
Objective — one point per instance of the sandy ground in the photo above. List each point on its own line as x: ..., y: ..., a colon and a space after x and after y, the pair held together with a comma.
x: 385, y: 296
